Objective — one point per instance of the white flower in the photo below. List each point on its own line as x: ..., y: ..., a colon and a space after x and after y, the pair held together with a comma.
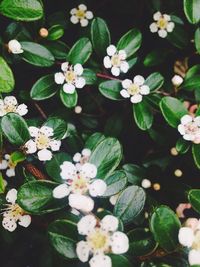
x: 15, y: 47
x: 177, y: 80
x: 135, y: 89
x: 102, y: 238
x: 190, y: 128
x: 80, y: 182
x: 162, y: 24
x: 81, y: 14
x: 9, y: 104
x: 43, y: 142
x: 146, y: 183
x: 186, y: 236
x: 7, y: 163
x: 13, y: 213
x: 116, y: 61
x: 194, y: 257
x: 70, y: 77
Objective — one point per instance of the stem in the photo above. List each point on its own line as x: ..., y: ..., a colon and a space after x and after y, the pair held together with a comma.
x: 41, y: 111
x: 105, y: 76
x: 35, y: 171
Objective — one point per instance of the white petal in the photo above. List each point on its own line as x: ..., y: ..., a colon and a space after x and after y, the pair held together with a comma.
x: 170, y: 26
x: 124, y: 67
x: 48, y: 131
x: 68, y: 88
x: 11, y: 196
x: 55, y: 145
x: 100, y: 261
x: 10, y: 100
x: 81, y: 202
x: 109, y: 223
x: 181, y: 129
x: 30, y: 147
x: 177, y: 80
x: 194, y: 257
x: 78, y: 69
x: 68, y: 170
x: 186, y: 119
x: 25, y: 220
x: 9, y: 224
x: 73, y: 11
x: 186, y: 236
x: 197, y: 120
x: 86, y: 224
x: 146, y: 183
x: 44, y: 155
x: 189, y: 137
x: 7, y: 156
x: 74, y: 19
x: 107, y: 62
x: 136, y: 98
x: 124, y: 93
x: 122, y: 54
x: 139, y: 80
x: 97, y: 188
x: 61, y: 191
x: 144, y: 90
x: 113, y: 199
x: 59, y: 78
x: 77, y: 157
x: 119, y: 243
x: 87, y: 152
x: 89, y: 170
x: 83, y: 251
x: 89, y: 15
x: 84, y: 22
x: 82, y: 7
x: 126, y: 83
x: 115, y: 71
x: 33, y: 131
x: 10, y: 172
x: 162, y: 33
x: 22, y: 109
x: 111, y: 50
x: 166, y: 17
x: 153, y: 27
x: 15, y: 47
x: 3, y: 164
x: 64, y: 66
x: 80, y: 82
x: 157, y: 15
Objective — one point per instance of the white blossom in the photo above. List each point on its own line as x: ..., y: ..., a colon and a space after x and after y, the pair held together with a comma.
x: 194, y: 257
x: 70, y: 77
x: 43, y: 142
x: 80, y: 182
x: 146, y: 183
x: 7, y: 164
x: 101, y: 238
x: 10, y: 104
x: 13, y: 213
x: 177, y: 80
x: 135, y: 90
x: 163, y: 24
x: 116, y: 60
x: 81, y: 15
x: 189, y: 128
x: 15, y: 47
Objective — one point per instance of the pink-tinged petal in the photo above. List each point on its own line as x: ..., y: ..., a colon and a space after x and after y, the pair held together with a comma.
x: 139, y: 80
x: 186, y: 119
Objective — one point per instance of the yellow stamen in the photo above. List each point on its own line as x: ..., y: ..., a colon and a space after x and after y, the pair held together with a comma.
x: 42, y: 141
x: 116, y: 61
x: 133, y: 89
x: 70, y: 76
x: 162, y: 23
x: 98, y: 240
x: 80, y: 14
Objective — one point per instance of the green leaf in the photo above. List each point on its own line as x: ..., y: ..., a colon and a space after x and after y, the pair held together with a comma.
x: 141, y: 242
x: 191, y: 9
x: 135, y: 173
x: 130, y: 42
x: 100, y: 36
x: 194, y: 199
x: 191, y: 83
x: 155, y: 57
x: 7, y: 81
x: 106, y: 156
x: 2, y: 185
x: 80, y: 52
x: 17, y: 157
x: 58, y: 125
x: 182, y: 146
x: 53, y: 166
x: 143, y: 115
x: 197, y: 39
x: 58, y: 49
x: 192, y: 71
x: 130, y: 203
x: 178, y: 37
x: 94, y: 140
x: 23, y: 10
x: 173, y: 110
x: 55, y: 32
x: 89, y: 76
x: 15, y: 129
x: 111, y: 89
x: 37, y: 54
x: 36, y: 197
x: 165, y: 227
x: 154, y: 81
x: 115, y: 183
x: 63, y: 237
x: 44, y: 88
x: 119, y: 261
x: 196, y: 154
x: 69, y: 100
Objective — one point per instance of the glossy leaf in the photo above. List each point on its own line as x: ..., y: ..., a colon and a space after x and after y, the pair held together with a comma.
x: 7, y: 81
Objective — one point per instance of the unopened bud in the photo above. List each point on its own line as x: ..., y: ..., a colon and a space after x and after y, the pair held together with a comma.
x: 78, y: 109
x: 177, y: 80
x: 178, y: 173
x: 43, y: 32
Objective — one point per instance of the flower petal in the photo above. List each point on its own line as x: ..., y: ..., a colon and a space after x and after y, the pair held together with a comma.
x: 186, y: 119
x: 144, y: 90
x: 139, y: 80
x: 115, y: 71
x: 80, y: 82
x: 74, y: 19
x: 61, y: 191
x: 181, y: 129
x: 77, y: 157
x: 10, y: 100
x: 84, y: 22
x: 82, y: 7
x: 55, y: 145
x: 78, y: 69
x: 167, y: 17
x: 100, y: 261
x: 124, y: 93
x: 11, y: 196
x: 44, y: 155
x: 9, y: 224
x: 170, y: 26
x: 157, y: 15
x: 111, y: 50
x: 81, y: 202
x: 124, y: 67
x: 194, y: 257
x: 73, y: 11
x: 33, y: 131
x: 68, y: 170
x: 48, y: 131
x: 119, y: 243
x: 107, y: 62
x: 83, y: 251
x: 153, y: 27
x: 97, y: 188
x: 89, y: 15
x: 89, y: 170
x: 69, y: 88
x: 87, y: 152
x: 10, y: 172
x: 22, y: 109
x: 59, y: 78
x: 3, y: 164
x: 162, y: 33
x: 186, y: 236
x: 136, y: 98
x: 25, y: 220
x: 64, y: 66
x: 109, y: 223
x: 30, y: 147
x: 86, y: 224
x: 126, y: 83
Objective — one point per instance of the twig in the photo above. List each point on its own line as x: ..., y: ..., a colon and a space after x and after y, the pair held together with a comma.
x: 41, y: 111
x: 105, y: 76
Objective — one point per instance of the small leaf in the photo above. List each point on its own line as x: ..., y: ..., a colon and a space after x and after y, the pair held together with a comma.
x: 80, y: 52
x: 69, y: 100
x: 155, y: 57
x: 130, y: 203
x: 89, y: 76
x: 111, y: 89
x: 191, y: 83
x: 191, y: 9
x: 196, y: 154
x: 119, y: 261
x: 2, y: 185
x: 194, y: 199
x: 143, y: 115
x: 94, y: 140
x: 178, y: 37
x: 197, y: 39
x: 154, y: 81
x: 115, y: 183
x: 55, y: 32
x: 135, y: 173
x: 17, y: 157
x: 7, y: 81
x: 58, y: 49
x: 182, y: 146
x: 58, y: 125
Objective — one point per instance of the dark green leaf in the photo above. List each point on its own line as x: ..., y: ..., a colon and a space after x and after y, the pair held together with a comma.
x: 69, y: 100
x: 178, y: 37
x: 58, y: 125
x: 80, y: 52
x: 143, y: 115
x: 191, y: 83
x: 191, y: 9
x: 115, y: 183
x: 196, y: 154
x: 194, y: 199
x: 182, y: 146
x: 111, y: 89
x: 89, y: 76
x: 58, y: 49
x: 55, y: 32
x: 7, y: 81
x: 154, y: 81
x: 94, y: 140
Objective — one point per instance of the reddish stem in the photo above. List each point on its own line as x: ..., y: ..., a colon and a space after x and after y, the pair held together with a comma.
x: 105, y: 76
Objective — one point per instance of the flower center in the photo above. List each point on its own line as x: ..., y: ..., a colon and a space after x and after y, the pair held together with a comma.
x: 133, y: 89
x: 10, y: 108
x: 162, y: 23
x: 70, y: 76
x: 191, y: 128
x: 14, y: 211
x: 80, y: 14
x: 98, y: 240
x: 115, y: 60
x: 79, y: 184
x: 42, y: 141
x: 11, y: 164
